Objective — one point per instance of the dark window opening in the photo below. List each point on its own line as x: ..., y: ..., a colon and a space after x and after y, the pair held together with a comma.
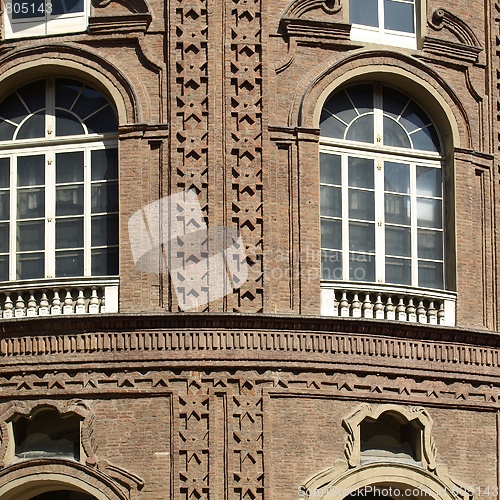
x: 63, y: 495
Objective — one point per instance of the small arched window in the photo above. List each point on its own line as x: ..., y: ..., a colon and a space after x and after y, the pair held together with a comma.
x: 381, y: 189
x: 58, y: 182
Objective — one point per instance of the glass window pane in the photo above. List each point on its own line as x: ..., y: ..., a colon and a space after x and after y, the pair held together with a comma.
x: 31, y: 170
x: 399, y: 16
x: 430, y: 244
x: 331, y: 265
x: 12, y: 108
x: 104, y: 164
x: 30, y: 203
x: 33, y: 127
x: 398, y: 241
x: 429, y: 213
x: 88, y: 102
x: 67, y: 124
x: 69, y: 200
x: 102, y: 122
x: 30, y: 236
x: 398, y: 271
x: 426, y: 139
x: 105, y: 262
x: 397, y: 177
x: 69, y: 233
x: 66, y: 92
x: 66, y: 6
x: 414, y: 117
x: 30, y: 266
x: 363, y: 12
x: 4, y: 268
x: 331, y: 234
x: 6, y: 131
x: 394, y: 134
x: 430, y: 274
x: 26, y: 10
x: 362, y: 97
x: 361, y: 129
x: 361, y: 172
x: 330, y: 201
x: 361, y: 237
x: 330, y: 169
x: 4, y: 205
x: 4, y: 238
x: 397, y: 209
x: 361, y: 205
x: 329, y: 126
x: 105, y: 197
x: 361, y: 267
x: 69, y: 263
x: 394, y: 102
x: 69, y: 167
x: 341, y: 106
x: 33, y: 95
x: 104, y: 230
x: 4, y: 172
x: 429, y: 181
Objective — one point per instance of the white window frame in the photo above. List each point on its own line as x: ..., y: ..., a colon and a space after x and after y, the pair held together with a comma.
x: 49, y: 25
x: 378, y: 34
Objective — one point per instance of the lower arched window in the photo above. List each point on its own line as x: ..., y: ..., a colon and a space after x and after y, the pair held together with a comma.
x: 58, y: 182
x: 381, y: 173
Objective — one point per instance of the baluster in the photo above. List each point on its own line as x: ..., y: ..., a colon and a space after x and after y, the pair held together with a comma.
x: 379, y: 308
x: 440, y: 314
x: 356, y: 307
x: 43, y: 310
x: 94, y: 302
x: 344, y: 305
x: 31, y: 309
x: 367, y: 307
x: 55, y: 310
x: 80, y: 302
x: 103, y: 305
x: 389, y: 310
x: 8, y: 307
x: 411, y: 312
x: 20, y: 305
x: 401, y: 311
x: 432, y: 314
x: 421, y: 314
x: 68, y: 303
x: 335, y: 304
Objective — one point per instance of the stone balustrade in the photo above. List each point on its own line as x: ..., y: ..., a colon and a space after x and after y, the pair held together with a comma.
x: 390, y: 303
x: 53, y: 298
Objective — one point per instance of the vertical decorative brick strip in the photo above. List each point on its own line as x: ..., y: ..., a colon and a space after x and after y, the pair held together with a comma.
x: 244, y: 141
x: 247, y: 442
x: 189, y: 101
x: 193, y: 443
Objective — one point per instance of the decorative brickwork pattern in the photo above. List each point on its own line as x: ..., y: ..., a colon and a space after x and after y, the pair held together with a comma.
x: 244, y: 141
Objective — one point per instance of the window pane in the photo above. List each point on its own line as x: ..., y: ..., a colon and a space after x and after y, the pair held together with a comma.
x: 363, y: 12
x: 414, y: 117
x: 331, y: 234
x: 69, y: 233
x: 69, y: 200
x: 430, y: 274
x: 4, y: 172
x: 361, y: 129
x: 361, y: 172
x: 429, y: 213
x: 330, y: 169
x: 69, y: 263
x: 4, y: 205
x: 105, y: 262
x: 399, y: 16
x: 394, y: 102
x: 66, y: 6
x: 31, y: 170
x: 341, y: 106
x: 397, y: 177
x: 4, y: 238
x: 397, y: 241
x: 33, y: 127
x: 66, y: 92
x: 331, y: 265
x: 330, y: 201
x: 394, y: 134
x: 69, y: 167
x: 6, y: 131
x: 30, y: 203
x: 105, y: 197
x: 426, y: 139
x: 361, y: 237
x: 361, y: 267
x: 67, y: 124
x: 89, y: 101
x: 397, y: 209
x: 430, y: 244
x: 4, y: 267
x: 330, y: 126
x: 25, y: 10
x: 104, y: 164
x: 361, y: 205
x: 30, y: 236
x: 12, y: 108
x: 104, y: 230
x: 33, y: 95
x: 398, y: 271
x: 102, y: 122
x: 30, y: 266
x: 428, y: 181
x: 362, y: 97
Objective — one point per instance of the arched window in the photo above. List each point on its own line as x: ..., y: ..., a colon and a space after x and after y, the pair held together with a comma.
x: 58, y: 182
x: 381, y: 190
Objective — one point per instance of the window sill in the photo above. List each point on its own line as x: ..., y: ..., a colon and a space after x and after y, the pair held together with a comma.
x: 388, y: 302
